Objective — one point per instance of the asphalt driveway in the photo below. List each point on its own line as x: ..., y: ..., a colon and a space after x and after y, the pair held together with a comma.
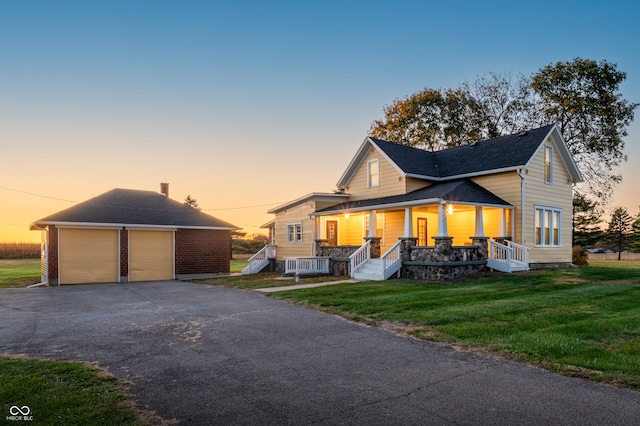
x: 209, y: 355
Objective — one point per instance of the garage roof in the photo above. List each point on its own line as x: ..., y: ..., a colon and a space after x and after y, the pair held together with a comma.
x: 128, y: 207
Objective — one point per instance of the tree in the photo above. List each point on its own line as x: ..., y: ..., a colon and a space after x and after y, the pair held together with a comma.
x: 191, y: 202
x: 586, y: 219
x: 620, y: 230
x: 635, y: 238
x: 582, y: 96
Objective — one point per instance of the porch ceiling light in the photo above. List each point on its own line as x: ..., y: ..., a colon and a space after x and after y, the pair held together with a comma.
x: 450, y: 209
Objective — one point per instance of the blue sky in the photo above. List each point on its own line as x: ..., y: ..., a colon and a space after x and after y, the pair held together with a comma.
x: 253, y: 103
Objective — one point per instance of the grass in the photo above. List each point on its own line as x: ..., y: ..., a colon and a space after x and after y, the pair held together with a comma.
x: 66, y: 393
x: 24, y: 272
x: 19, y: 272
x: 238, y: 265
x: 577, y: 321
x: 264, y: 280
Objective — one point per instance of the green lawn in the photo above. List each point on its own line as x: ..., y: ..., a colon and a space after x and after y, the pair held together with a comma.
x: 264, y: 280
x: 19, y: 272
x: 576, y: 321
x: 65, y: 393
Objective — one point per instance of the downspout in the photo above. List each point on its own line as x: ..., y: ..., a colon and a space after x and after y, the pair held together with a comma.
x: 46, y: 243
x: 522, y: 205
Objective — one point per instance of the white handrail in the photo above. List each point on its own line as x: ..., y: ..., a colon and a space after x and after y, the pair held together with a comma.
x: 259, y: 260
x: 520, y: 252
x: 360, y: 256
x: 390, y: 260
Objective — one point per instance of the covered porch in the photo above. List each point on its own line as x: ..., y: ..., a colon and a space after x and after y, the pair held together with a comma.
x: 440, y: 232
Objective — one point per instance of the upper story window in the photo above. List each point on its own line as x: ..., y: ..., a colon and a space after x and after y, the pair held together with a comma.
x: 548, y: 164
x: 294, y: 232
x: 373, y: 173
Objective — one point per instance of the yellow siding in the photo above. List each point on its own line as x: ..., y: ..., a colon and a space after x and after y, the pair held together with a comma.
x: 296, y: 214
x: 393, y: 229
x: 556, y: 195
x: 391, y: 181
x: 508, y: 187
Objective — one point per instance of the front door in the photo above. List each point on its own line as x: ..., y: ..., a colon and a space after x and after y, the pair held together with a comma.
x: 332, y: 232
x: 422, y: 231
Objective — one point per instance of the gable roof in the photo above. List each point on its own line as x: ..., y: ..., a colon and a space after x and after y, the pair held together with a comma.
x: 462, y: 191
x: 499, y: 154
x: 128, y: 207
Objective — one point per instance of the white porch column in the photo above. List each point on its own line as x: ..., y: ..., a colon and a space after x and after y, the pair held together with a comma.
x: 442, y: 220
x: 408, y: 222
x: 479, y: 222
x: 372, y: 223
x: 502, y: 223
x: 318, y: 222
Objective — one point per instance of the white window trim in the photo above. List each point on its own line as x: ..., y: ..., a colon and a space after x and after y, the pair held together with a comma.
x: 552, y: 210
x: 370, y: 184
x: 297, y: 235
x: 548, y: 150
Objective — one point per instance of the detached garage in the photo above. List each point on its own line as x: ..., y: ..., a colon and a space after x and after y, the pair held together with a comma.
x: 128, y: 235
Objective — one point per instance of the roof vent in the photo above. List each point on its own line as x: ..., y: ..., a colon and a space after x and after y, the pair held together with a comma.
x: 474, y: 143
x: 521, y: 134
x: 164, y: 189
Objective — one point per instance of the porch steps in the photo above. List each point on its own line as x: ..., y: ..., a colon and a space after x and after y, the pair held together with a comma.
x: 506, y: 267
x: 371, y: 270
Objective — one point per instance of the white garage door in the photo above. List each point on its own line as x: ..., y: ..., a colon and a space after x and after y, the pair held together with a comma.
x: 88, y: 255
x: 150, y: 255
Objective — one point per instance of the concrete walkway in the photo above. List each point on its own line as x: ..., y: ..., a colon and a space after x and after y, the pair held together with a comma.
x: 301, y: 286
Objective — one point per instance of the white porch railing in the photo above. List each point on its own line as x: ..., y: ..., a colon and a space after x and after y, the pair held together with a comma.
x: 259, y: 260
x: 520, y: 253
x: 306, y: 265
x: 391, y: 260
x: 508, y: 258
x: 360, y: 257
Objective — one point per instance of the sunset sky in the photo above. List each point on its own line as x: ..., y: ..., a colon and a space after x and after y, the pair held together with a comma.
x: 245, y: 104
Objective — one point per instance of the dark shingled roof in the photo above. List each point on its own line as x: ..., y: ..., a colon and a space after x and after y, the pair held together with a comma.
x: 460, y: 191
x: 493, y: 154
x: 132, y: 207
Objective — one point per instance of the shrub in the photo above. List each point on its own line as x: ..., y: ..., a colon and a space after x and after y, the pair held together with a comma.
x: 579, y: 256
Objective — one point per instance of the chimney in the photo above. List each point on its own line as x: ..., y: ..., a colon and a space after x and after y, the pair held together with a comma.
x: 164, y: 189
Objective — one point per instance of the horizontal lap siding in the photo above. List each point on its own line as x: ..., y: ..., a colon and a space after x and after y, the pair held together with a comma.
x: 296, y: 214
x: 557, y: 195
x: 391, y: 181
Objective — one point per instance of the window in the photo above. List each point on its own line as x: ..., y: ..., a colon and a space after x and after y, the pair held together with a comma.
x: 294, y: 232
x: 548, y: 164
x: 548, y: 226
x: 373, y: 173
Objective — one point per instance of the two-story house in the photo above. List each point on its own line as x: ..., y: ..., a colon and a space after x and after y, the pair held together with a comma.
x: 505, y: 203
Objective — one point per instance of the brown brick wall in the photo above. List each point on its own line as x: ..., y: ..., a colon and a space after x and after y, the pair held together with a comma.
x: 53, y: 253
x: 201, y: 251
x: 124, y: 252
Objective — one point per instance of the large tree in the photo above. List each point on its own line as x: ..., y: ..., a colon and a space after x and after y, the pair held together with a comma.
x: 582, y: 96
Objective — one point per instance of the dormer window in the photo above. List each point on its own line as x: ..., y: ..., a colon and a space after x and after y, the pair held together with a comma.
x: 373, y: 173
x: 548, y: 164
